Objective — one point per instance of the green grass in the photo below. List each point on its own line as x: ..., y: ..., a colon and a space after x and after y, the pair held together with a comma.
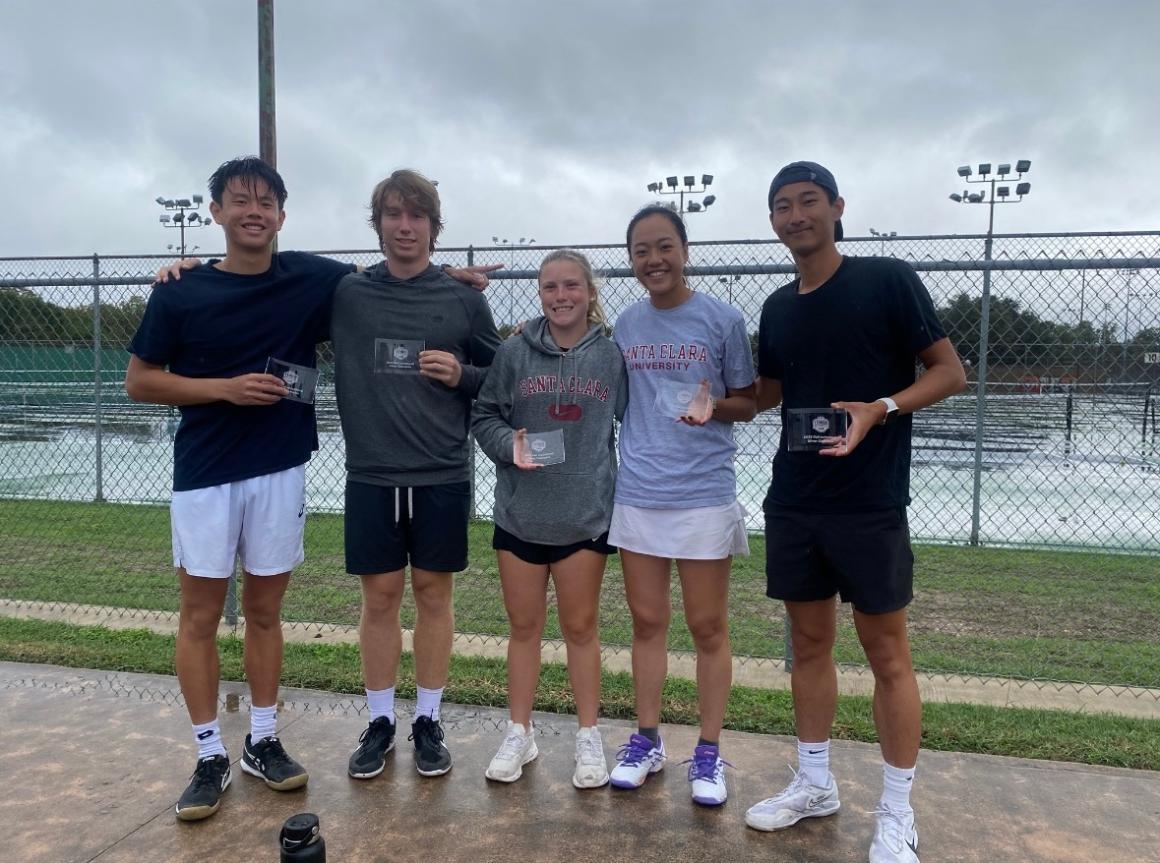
x: 1084, y: 738
x: 1055, y: 615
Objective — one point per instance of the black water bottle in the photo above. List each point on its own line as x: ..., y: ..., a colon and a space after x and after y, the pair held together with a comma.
x: 300, y: 840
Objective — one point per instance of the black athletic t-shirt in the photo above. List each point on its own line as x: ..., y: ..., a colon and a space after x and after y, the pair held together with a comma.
x: 855, y: 338
x: 213, y: 324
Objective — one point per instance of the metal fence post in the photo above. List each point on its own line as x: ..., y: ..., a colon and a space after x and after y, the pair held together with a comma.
x: 231, y: 608
x: 981, y: 392
x: 470, y: 437
x: 100, y: 491
x: 788, y: 644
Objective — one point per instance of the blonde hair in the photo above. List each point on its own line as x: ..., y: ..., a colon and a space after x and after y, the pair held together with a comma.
x: 414, y: 189
x: 595, y: 310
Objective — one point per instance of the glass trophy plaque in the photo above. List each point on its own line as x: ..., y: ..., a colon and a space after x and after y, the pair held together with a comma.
x: 812, y: 429
x: 398, y: 356
x: 300, y: 381
x: 546, y: 448
x: 678, y: 399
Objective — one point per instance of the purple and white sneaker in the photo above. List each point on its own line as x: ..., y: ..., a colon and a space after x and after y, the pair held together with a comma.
x: 707, y: 776
x: 636, y: 760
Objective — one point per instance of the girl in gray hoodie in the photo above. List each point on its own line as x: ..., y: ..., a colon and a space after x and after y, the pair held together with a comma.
x: 545, y: 417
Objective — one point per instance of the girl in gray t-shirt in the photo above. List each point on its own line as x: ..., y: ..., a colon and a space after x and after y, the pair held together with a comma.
x: 690, y: 377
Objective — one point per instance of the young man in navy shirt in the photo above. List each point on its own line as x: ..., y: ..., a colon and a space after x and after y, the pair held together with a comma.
x: 846, y: 334
x: 239, y: 455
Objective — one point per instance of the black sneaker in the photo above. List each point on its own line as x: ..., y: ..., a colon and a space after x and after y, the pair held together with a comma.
x: 370, y: 758
x: 267, y: 760
x: 201, y: 799
x: 432, y: 758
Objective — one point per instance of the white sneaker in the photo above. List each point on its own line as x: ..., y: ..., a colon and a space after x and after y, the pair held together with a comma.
x: 591, y: 768
x: 517, y: 749
x: 799, y: 800
x: 707, y: 776
x: 636, y: 760
x: 895, y: 839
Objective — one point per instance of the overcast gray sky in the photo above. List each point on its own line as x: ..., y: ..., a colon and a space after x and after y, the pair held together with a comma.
x: 547, y: 120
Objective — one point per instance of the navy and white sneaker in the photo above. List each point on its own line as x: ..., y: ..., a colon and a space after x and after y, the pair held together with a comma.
x: 202, y: 797
x: 636, y: 761
x: 432, y: 757
x: 369, y: 759
x: 707, y: 776
x: 267, y: 760
x: 895, y: 839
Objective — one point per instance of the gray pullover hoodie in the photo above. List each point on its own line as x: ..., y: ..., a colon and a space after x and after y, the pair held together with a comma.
x: 404, y: 429
x: 533, y: 384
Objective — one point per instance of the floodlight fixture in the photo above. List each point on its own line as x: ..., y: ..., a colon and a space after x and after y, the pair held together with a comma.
x: 1023, y: 189
x: 178, y: 218
x: 984, y: 168
x: 1004, y: 169
x: 169, y: 202
x: 164, y: 219
x: 160, y: 200
x: 709, y: 199
x: 964, y: 170
x: 1003, y: 191
x: 495, y: 239
x: 1023, y: 166
x: 197, y: 199
x: 672, y: 181
x: 690, y: 180
x: 955, y: 196
x: 693, y: 207
x: 706, y: 179
x: 975, y: 198
x: 184, y: 202
x: 652, y: 187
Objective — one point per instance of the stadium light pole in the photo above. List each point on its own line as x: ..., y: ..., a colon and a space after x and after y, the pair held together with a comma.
x: 182, y: 213
x: 504, y: 242
x: 883, y: 236
x: 670, y: 186
x: 998, y: 195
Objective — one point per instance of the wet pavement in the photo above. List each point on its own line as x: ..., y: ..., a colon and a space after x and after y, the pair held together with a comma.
x: 91, y: 763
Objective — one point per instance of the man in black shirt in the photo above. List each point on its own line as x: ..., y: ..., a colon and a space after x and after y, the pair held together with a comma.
x: 845, y: 334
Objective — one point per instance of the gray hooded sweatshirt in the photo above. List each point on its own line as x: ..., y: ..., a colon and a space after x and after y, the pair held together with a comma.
x: 402, y: 429
x: 533, y: 384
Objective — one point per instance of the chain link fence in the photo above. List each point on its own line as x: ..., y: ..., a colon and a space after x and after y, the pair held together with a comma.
x: 1053, y: 446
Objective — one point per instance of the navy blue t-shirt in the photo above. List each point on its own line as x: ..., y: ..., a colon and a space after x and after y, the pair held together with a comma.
x: 213, y: 324
x: 856, y: 339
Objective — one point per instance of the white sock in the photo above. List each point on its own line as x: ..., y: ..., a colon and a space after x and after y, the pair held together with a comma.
x: 381, y: 702
x: 428, y: 703
x: 263, y: 722
x: 896, y: 785
x: 208, y: 737
x: 814, y: 762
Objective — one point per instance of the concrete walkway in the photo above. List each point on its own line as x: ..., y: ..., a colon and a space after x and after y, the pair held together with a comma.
x: 92, y: 762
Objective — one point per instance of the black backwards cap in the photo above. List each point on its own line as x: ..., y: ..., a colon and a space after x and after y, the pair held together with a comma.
x: 807, y: 172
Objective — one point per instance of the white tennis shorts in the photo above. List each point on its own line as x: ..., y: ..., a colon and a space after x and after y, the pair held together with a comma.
x: 259, y: 520
x: 701, y: 533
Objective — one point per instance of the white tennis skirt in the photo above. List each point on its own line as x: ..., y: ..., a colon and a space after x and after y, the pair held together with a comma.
x: 701, y: 533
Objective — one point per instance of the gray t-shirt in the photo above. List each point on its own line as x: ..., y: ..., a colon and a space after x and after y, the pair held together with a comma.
x: 666, y: 464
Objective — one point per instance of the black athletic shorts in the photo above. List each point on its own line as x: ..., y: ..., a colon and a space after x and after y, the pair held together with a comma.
x: 388, y: 526
x: 864, y: 557
x: 542, y: 555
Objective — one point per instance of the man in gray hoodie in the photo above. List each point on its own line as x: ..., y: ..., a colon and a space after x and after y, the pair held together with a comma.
x: 411, y: 347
